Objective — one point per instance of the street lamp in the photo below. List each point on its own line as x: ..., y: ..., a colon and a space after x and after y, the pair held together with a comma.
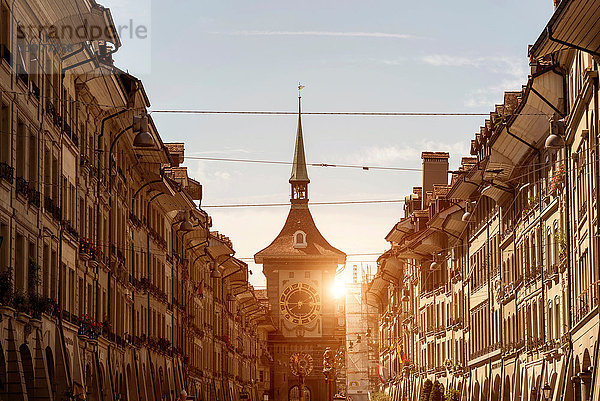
x: 466, y: 217
x: 556, y: 140
x: 547, y: 391
x: 186, y: 225
x: 143, y: 138
x: 434, y: 266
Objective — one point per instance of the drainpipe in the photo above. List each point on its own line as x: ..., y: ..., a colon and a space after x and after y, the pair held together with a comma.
x: 597, y: 189
x: 148, y: 292
x: 490, y: 311
x: 62, y: 112
x: 539, y: 259
x: 98, y: 169
x: 110, y: 216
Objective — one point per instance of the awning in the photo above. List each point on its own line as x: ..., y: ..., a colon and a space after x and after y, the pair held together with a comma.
x: 403, y: 227
x: 179, y: 201
x: 497, y: 191
x: 466, y: 185
x: 73, y: 26
x: 168, y: 196
x: 450, y: 220
x: 157, y: 154
x: 81, y: 62
x: 375, y: 296
x: 218, y: 247
x: 429, y: 243
x: 196, y: 237
x: 574, y: 24
x: 234, y: 270
x: 104, y: 85
x: 391, y: 268
x: 528, y: 128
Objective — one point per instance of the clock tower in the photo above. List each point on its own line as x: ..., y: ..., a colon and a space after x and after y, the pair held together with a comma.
x: 300, y: 267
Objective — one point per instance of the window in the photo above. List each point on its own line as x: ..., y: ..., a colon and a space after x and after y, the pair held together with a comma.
x: 20, y: 266
x: 5, y: 155
x: 21, y: 138
x: 299, y: 239
x: 22, y: 56
x: 5, y: 33
x: 4, y: 246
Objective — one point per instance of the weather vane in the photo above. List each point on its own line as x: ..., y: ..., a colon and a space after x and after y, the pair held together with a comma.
x: 300, y: 87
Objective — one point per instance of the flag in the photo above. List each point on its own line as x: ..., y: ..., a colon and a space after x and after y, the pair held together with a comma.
x: 402, y: 355
x: 381, y: 373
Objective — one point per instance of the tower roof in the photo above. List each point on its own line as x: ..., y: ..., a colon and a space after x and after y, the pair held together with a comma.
x: 300, y: 219
x: 299, y: 172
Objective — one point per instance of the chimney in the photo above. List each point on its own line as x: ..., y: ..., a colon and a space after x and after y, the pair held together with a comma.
x: 435, y: 169
x: 176, y: 150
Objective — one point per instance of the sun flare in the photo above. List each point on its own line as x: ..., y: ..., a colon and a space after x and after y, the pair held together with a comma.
x: 338, y: 288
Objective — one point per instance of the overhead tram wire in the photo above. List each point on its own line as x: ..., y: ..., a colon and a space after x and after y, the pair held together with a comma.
x: 328, y: 113
x: 310, y: 203
x: 366, y: 168
x: 276, y: 113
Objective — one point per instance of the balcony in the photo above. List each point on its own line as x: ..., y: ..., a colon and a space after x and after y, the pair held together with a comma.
x: 52, y: 209
x: 87, y: 249
x: 34, y: 197
x: 71, y: 230
x: 22, y: 187
x: 6, y: 172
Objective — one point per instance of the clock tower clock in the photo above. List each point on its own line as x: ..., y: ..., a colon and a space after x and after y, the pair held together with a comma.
x: 300, y: 267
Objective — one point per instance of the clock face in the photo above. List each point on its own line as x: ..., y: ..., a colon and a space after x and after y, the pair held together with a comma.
x: 300, y: 303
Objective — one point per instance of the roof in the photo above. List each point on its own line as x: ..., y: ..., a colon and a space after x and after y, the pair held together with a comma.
x: 575, y: 23
x: 299, y: 172
x: 300, y: 219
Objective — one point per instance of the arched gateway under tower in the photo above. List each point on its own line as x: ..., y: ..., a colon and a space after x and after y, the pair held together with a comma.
x: 300, y: 267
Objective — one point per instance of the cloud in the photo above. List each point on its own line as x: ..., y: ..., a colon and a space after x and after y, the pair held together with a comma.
x: 222, y: 175
x: 217, y: 152
x: 320, y: 33
x: 491, y: 94
x: 500, y: 65
x: 385, y: 155
x: 513, y: 71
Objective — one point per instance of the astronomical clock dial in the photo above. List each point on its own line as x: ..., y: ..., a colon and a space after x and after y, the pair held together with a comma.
x: 300, y: 303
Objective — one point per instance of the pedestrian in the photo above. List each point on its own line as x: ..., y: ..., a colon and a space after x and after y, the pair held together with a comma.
x: 183, y: 395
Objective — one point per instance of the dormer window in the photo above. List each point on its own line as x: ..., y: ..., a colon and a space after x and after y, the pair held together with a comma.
x: 299, y: 239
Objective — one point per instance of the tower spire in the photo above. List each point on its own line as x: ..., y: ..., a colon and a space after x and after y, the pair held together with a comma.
x: 299, y: 177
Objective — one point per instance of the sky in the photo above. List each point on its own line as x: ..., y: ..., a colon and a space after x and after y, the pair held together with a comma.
x: 394, y: 55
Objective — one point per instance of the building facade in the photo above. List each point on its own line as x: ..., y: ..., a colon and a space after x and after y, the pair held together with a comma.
x: 113, y: 285
x: 490, y: 287
x: 300, y: 268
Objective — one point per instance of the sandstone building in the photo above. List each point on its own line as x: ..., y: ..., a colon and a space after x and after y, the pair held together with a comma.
x: 490, y: 286
x: 113, y: 284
